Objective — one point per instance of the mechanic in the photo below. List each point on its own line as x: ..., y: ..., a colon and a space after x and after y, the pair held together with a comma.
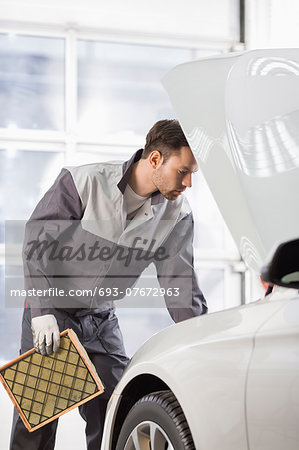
x: 128, y: 214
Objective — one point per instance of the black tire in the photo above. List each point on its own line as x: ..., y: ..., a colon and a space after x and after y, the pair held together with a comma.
x: 161, y: 414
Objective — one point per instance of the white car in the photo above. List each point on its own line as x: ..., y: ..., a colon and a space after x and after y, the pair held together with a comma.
x: 230, y: 380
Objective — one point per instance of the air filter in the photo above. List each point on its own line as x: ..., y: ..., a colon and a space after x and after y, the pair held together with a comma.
x: 43, y: 388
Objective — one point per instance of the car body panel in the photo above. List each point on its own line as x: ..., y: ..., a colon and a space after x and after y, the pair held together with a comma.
x: 273, y: 382
x: 205, y: 360
x: 240, y: 114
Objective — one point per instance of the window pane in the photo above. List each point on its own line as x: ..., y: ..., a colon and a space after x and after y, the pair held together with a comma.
x: 212, y: 284
x: 87, y: 154
x: 211, y: 232
x: 31, y: 82
x: 139, y: 324
x: 24, y: 178
x: 120, y: 95
x: 10, y: 326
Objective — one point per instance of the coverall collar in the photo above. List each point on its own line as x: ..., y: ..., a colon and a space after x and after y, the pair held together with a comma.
x: 156, y: 196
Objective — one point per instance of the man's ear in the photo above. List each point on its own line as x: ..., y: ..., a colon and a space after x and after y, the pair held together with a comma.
x: 155, y: 159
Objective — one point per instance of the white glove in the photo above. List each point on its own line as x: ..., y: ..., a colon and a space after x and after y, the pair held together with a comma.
x: 45, y: 331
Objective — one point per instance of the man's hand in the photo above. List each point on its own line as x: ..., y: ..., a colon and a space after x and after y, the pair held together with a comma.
x: 45, y: 331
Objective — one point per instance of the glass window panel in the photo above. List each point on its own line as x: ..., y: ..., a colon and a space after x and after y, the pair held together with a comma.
x: 85, y: 156
x: 212, y: 284
x: 139, y: 324
x: 24, y: 178
x: 120, y: 95
x: 211, y: 232
x: 31, y: 82
x: 10, y: 326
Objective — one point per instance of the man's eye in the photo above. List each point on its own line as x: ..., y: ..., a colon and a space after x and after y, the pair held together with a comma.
x: 182, y: 172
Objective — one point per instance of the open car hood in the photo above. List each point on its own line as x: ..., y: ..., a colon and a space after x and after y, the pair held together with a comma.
x: 240, y: 114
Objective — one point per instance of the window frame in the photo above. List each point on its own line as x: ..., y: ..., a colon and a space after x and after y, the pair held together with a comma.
x: 69, y: 142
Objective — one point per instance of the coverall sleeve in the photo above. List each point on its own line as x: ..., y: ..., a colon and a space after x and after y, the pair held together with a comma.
x: 176, y: 274
x: 56, y: 211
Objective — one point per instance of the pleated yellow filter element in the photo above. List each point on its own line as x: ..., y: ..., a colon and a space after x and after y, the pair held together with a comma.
x: 43, y: 388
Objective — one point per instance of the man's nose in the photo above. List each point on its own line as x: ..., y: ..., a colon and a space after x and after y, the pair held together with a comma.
x: 187, y: 180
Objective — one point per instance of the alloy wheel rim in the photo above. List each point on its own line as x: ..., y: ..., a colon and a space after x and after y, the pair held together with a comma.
x: 148, y: 435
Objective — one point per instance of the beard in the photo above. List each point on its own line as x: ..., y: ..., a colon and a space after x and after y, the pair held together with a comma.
x: 162, y: 186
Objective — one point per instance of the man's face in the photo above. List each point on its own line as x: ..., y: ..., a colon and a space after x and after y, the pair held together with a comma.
x: 174, y: 176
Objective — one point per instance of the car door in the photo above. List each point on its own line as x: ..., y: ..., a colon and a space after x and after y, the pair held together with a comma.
x: 272, y: 395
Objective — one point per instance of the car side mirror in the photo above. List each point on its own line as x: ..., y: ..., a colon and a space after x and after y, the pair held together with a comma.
x: 283, y: 269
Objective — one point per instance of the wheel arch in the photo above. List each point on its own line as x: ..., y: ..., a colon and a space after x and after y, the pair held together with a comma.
x: 137, y: 388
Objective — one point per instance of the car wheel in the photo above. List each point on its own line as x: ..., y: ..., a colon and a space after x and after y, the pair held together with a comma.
x: 155, y: 422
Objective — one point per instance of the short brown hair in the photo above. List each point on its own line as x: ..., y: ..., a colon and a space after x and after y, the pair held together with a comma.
x: 167, y: 137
